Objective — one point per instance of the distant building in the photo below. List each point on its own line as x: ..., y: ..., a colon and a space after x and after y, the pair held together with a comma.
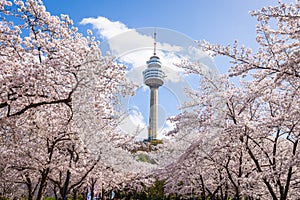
x: 154, y: 78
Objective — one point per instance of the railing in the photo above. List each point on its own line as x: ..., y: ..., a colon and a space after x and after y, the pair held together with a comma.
x: 153, y: 73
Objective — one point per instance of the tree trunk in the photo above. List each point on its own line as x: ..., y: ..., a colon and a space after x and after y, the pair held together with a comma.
x: 66, y: 185
x: 55, y: 192
x: 74, y: 194
x: 29, y: 187
x: 92, y: 190
x: 43, y: 184
x: 102, y: 194
x: 203, y: 195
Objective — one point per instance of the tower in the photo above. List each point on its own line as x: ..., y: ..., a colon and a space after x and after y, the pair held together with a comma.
x: 154, y: 78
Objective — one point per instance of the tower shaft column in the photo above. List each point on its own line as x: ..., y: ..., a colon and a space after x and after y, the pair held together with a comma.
x: 153, y: 115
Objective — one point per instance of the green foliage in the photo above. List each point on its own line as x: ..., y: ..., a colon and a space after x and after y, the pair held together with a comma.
x: 156, y: 191
x: 79, y: 197
x: 156, y: 142
x: 3, y: 198
x: 70, y: 197
x: 145, y: 158
x: 49, y: 198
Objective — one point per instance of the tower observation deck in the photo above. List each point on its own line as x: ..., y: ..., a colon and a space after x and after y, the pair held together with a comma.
x: 154, y: 78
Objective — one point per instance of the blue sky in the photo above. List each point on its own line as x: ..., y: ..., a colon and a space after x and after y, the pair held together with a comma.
x: 216, y: 21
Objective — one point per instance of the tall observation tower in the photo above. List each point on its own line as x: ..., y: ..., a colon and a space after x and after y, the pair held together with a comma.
x: 154, y: 78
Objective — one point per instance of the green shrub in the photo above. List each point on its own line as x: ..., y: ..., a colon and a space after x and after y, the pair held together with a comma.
x: 4, y: 198
x: 49, y: 198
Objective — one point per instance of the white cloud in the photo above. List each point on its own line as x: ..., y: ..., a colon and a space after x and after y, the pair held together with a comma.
x: 129, y: 45
x: 105, y: 27
x: 137, y: 118
x: 134, y: 124
x: 135, y: 46
x: 168, y: 126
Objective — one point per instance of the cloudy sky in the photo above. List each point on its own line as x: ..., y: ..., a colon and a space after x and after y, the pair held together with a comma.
x: 126, y: 27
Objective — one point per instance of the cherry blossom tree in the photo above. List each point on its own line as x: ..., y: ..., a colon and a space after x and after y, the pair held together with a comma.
x: 47, y: 109
x: 256, y: 153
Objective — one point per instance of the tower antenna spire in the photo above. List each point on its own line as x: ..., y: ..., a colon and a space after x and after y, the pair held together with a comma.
x: 154, y: 53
